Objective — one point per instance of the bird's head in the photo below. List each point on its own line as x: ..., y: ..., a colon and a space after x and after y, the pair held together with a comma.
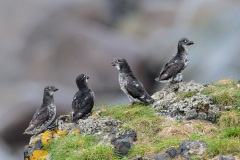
x: 81, y: 80
x: 120, y: 63
x: 184, y: 43
x: 50, y: 90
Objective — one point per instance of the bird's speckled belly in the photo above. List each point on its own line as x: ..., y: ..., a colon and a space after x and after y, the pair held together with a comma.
x: 121, y: 83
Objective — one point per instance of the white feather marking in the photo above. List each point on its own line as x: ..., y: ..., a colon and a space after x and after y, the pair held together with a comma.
x: 117, y: 66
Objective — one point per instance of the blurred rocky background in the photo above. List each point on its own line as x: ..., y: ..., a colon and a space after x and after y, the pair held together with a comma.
x: 50, y: 42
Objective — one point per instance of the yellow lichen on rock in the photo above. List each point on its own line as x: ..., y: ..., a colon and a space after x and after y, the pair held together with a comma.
x: 46, y: 136
x: 39, y: 155
x: 76, y: 132
x: 35, y: 140
x: 59, y: 133
x: 95, y: 115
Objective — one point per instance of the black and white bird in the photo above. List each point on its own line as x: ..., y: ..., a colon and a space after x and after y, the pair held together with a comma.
x: 83, y: 100
x: 172, y: 71
x: 129, y: 84
x: 45, y: 114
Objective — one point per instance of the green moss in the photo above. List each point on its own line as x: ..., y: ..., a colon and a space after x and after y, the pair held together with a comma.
x: 157, y: 145
x: 79, y: 147
x: 224, y: 92
x: 222, y: 146
x: 229, y: 118
x: 138, y: 117
x: 231, y: 132
x: 183, y: 95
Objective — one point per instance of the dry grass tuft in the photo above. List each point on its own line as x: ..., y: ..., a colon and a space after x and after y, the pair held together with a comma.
x: 187, y: 128
x: 224, y: 92
x: 229, y: 118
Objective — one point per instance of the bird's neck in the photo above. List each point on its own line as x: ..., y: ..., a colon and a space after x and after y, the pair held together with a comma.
x: 182, y: 51
x: 126, y: 69
x: 48, y: 99
x: 83, y: 86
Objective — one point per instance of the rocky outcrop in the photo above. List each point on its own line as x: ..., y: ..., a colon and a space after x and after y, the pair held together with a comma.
x: 185, y: 101
x: 109, y: 131
x: 184, y: 151
x: 124, y: 141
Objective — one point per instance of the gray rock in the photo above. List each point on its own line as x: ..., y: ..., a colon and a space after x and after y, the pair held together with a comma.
x: 213, y: 113
x: 137, y: 158
x: 172, y: 152
x: 97, y: 112
x: 191, y: 147
x: 191, y: 114
x: 130, y: 134
x: 29, y: 149
x: 123, y: 141
x: 202, y: 116
x: 141, y: 158
x: 162, y: 157
x: 228, y: 158
x: 122, y: 146
x: 26, y: 154
x: 99, y: 125
x: 198, y: 106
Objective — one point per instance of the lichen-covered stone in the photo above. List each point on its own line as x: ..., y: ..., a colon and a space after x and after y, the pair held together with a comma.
x: 123, y: 141
x: 105, y: 128
x: 172, y: 152
x: 195, y: 106
x: 122, y: 146
x: 46, y: 136
x: 192, y: 147
x: 228, y: 158
x: 130, y: 134
x: 39, y: 155
x: 98, y: 125
x: 137, y: 158
x: 163, y: 156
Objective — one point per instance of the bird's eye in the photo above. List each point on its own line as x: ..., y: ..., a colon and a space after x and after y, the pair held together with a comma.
x: 49, y: 87
x: 185, y: 41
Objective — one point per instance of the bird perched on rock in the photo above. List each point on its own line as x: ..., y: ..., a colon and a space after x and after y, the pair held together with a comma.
x: 44, y: 115
x: 172, y: 71
x: 129, y: 84
x: 83, y: 100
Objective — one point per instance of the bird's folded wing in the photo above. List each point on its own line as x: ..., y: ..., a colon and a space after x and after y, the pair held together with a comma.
x: 171, y: 69
x: 134, y: 88
x: 82, y: 105
x: 40, y: 116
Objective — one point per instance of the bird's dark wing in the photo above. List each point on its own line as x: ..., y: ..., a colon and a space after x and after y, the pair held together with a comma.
x: 171, y: 69
x: 39, y: 117
x: 135, y: 89
x: 82, y: 103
